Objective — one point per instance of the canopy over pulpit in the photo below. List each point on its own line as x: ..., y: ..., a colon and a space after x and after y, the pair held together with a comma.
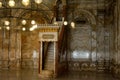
x: 48, y: 32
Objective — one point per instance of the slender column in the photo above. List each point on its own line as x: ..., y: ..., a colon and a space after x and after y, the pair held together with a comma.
x: 55, y: 59
x: 40, y: 56
x: 118, y: 31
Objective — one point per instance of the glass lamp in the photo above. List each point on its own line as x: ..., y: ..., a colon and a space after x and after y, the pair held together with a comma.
x: 0, y: 27
x: 65, y: 23
x: 31, y: 29
x: 73, y: 24
x: 8, y: 27
x: 34, y: 26
x: 33, y: 22
x: 6, y: 23
x: 25, y: 2
x: 23, y: 28
x: 11, y: 3
x: 24, y: 22
x: 38, y: 1
x: 0, y: 4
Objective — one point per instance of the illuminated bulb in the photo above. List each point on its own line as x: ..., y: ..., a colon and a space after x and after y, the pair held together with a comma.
x: 33, y: 22
x: 23, y: 28
x: 34, y: 26
x: 73, y: 24
x: 31, y: 29
x: 25, y: 2
x: 6, y: 23
x: 8, y: 28
x: 38, y: 1
x: 24, y: 22
x: 65, y: 23
x: 0, y: 4
x: 0, y: 28
x: 11, y: 3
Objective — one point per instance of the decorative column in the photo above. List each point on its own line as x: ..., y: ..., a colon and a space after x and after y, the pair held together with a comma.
x: 118, y: 31
x: 56, y: 58
x: 39, y: 64
x: 41, y: 55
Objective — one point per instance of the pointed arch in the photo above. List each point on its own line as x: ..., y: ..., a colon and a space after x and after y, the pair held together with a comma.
x: 87, y: 14
x: 63, y: 2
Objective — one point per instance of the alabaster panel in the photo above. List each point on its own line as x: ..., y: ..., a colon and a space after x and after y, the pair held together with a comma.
x: 27, y: 63
x: 30, y: 48
x: 5, y: 54
x: 30, y: 63
x: 10, y: 48
x: 94, y: 54
x: 4, y: 64
x: 93, y: 46
x: 29, y: 44
x: 100, y: 45
x: 13, y: 39
x: 94, y: 42
x: 80, y: 45
x: 12, y: 53
x: 13, y: 64
x: 103, y: 45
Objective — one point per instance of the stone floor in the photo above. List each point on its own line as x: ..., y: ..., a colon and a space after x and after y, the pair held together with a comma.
x: 33, y: 75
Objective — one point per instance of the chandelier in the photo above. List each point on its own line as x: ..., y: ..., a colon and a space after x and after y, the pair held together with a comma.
x: 8, y: 9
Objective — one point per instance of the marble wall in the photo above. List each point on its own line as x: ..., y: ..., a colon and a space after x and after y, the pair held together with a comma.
x: 90, y: 42
x: 116, y: 35
x: 80, y: 45
x: 10, y: 49
x: 82, y: 52
x: 30, y: 49
x: 88, y: 47
x: 19, y: 49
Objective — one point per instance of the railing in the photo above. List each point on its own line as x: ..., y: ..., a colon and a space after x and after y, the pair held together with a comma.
x: 48, y: 25
x: 61, y: 36
x: 61, y: 49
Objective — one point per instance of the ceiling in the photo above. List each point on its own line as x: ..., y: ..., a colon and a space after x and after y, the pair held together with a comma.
x: 43, y: 13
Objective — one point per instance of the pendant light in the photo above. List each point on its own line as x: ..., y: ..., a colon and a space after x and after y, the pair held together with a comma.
x: 25, y: 2
x: 0, y: 4
x: 65, y: 23
x: 11, y: 3
x: 24, y: 22
x: 38, y: 1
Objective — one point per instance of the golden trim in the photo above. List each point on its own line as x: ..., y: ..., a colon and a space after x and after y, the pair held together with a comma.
x: 49, y: 30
